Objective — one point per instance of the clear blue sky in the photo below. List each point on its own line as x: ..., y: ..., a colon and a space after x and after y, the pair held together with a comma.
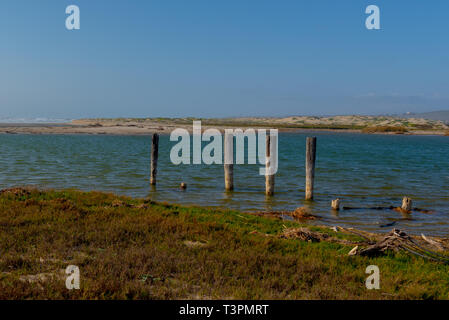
x: 214, y: 58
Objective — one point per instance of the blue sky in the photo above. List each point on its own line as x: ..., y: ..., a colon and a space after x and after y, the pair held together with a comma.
x: 215, y: 58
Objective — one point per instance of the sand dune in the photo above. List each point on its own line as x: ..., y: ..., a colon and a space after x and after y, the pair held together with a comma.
x: 136, y: 126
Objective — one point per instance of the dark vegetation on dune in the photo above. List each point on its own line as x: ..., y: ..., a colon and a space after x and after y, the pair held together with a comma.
x: 385, y: 129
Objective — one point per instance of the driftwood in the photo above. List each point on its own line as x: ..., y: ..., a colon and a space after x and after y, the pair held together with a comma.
x: 375, y: 245
x: 397, y: 241
x: 405, y: 208
x: 362, y: 234
x: 423, y: 210
x: 388, y: 224
x: 406, y: 205
x: 432, y: 242
x: 397, y: 209
x: 305, y: 234
x: 335, y: 204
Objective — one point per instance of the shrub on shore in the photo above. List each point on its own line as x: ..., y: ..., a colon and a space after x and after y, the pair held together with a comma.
x: 385, y: 129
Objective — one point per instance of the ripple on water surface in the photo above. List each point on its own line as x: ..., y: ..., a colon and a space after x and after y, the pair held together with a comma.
x: 363, y: 170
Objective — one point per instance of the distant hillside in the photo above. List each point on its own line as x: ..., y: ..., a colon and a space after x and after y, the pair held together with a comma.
x: 435, y: 115
x: 412, y: 123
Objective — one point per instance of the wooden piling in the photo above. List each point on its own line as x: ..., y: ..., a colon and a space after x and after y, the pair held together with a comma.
x: 228, y: 161
x: 269, y: 178
x: 406, y: 204
x: 335, y: 204
x: 310, y: 166
x: 154, y: 156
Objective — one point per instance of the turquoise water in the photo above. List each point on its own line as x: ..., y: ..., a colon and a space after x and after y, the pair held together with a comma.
x: 363, y: 170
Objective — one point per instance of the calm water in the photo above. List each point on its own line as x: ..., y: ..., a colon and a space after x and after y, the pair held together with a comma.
x: 363, y: 170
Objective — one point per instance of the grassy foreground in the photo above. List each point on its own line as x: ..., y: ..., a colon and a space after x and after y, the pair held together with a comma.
x: 137, y: 249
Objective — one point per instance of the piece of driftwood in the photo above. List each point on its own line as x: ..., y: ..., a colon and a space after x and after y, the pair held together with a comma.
x: 396, y: 241
x: 397, y: 209
x: 305, y: 234
x: 406, y: 205
x: 353, y: 251
x: 437, y: 245
x: 335, y: 204
x: 423, y: 210
x: 368, y: 237
x: 388, y: 224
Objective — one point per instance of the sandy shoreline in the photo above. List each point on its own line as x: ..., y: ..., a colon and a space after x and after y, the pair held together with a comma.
x: 148, y: 130
x: 147, y: 126
x: 127, y: 130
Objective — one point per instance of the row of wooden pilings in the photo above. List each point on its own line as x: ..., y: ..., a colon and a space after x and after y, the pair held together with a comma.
x: 269, y: 179
x: 229, y: 168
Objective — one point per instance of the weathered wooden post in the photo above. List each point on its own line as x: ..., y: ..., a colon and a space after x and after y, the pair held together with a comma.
x: 228, y: 161
x: 335, y: 204
x: 269, y: 178
x: 310, y: 166
x: 406, y: 204
x: 154, y: 156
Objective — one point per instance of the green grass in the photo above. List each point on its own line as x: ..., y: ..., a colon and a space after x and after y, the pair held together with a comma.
x: 137, y: 249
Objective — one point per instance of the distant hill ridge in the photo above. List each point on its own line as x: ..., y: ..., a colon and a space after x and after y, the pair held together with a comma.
x: 434, y: 115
